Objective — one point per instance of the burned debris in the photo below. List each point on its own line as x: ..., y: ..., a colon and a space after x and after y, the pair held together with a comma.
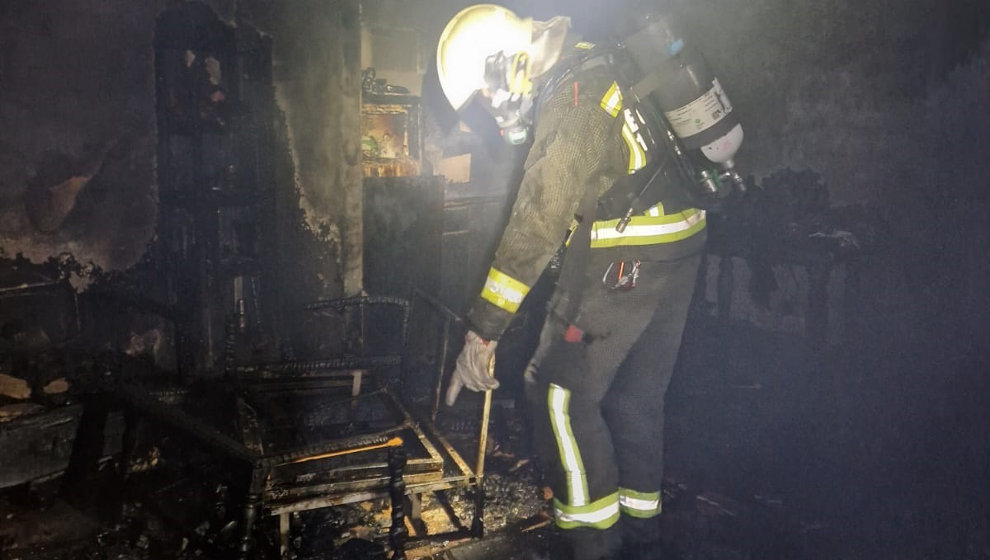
x: 232, y: 291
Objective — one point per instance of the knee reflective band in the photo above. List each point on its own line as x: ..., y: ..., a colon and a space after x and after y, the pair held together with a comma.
x: 504, y: 291
x: 648, y: 229
x: 640, y: 504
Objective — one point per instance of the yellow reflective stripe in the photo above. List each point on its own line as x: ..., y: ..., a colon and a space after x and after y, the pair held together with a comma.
x: 558, y: 400
x: 570, y: 232
x: 612, y: 100
x: 637, y: 157
x: 584, y: 45
x: 634, y: 140
x: 504, y: 291
x: 648, y: 230
x: 640, y: 504
x: 601, y: 514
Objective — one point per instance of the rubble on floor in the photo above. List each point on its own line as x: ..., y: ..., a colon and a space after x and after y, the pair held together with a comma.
x: 38, y: 524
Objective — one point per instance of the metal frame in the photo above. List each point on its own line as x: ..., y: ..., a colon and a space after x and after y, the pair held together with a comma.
x: 441, y: 469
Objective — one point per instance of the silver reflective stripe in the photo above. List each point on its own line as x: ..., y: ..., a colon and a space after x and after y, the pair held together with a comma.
x: 634, y: 140
x: 570, y: 456
x: 647, y: 230
x: 639, y: 504
x: 612, y: 100
x: 637, y: 157
x: 504, y: 291
x: 595, y: 517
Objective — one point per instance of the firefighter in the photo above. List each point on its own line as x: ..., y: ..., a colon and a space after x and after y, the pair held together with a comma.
x: 614, y: 323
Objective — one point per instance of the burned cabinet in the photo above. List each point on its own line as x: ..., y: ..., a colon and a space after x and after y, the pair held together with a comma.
x: 403, y: 221
x: 217, y: 218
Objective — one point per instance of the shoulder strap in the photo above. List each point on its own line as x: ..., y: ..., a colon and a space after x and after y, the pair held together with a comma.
x: 578, y: 59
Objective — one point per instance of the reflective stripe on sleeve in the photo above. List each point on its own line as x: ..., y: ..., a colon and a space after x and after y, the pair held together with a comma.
x: 640, y: 504
x: 648, y: 229
x: 504, y: 291
x: 601, y: 514
x: 558, y: 400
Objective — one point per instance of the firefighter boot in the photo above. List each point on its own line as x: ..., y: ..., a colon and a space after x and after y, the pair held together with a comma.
x: 585, y: 543
x: 641, y: 538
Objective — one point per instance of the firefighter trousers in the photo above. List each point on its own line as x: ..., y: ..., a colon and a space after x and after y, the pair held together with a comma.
x: 597, y: 384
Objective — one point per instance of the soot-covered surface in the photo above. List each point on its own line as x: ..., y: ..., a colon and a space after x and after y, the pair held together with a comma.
x: 774, y: 451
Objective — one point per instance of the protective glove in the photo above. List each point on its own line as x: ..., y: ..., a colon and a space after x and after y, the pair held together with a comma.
x: 475, y: 367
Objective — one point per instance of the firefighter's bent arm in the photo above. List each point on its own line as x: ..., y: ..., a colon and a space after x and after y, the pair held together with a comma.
x: 571, y: 144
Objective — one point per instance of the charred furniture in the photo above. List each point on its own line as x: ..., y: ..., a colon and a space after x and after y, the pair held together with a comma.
x: 297, y: 435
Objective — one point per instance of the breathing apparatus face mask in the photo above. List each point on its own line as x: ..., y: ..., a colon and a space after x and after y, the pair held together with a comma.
x: 509, y: 91
x: 509, y: 94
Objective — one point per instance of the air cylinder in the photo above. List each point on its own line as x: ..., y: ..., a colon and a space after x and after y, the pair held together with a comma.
x: 683, y: 87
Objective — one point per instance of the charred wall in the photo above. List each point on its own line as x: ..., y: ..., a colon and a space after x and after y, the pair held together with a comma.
x: 78, y: 177
x: 78, y: 117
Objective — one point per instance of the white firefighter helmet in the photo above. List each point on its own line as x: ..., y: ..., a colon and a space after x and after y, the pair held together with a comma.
x: 480, y: 31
